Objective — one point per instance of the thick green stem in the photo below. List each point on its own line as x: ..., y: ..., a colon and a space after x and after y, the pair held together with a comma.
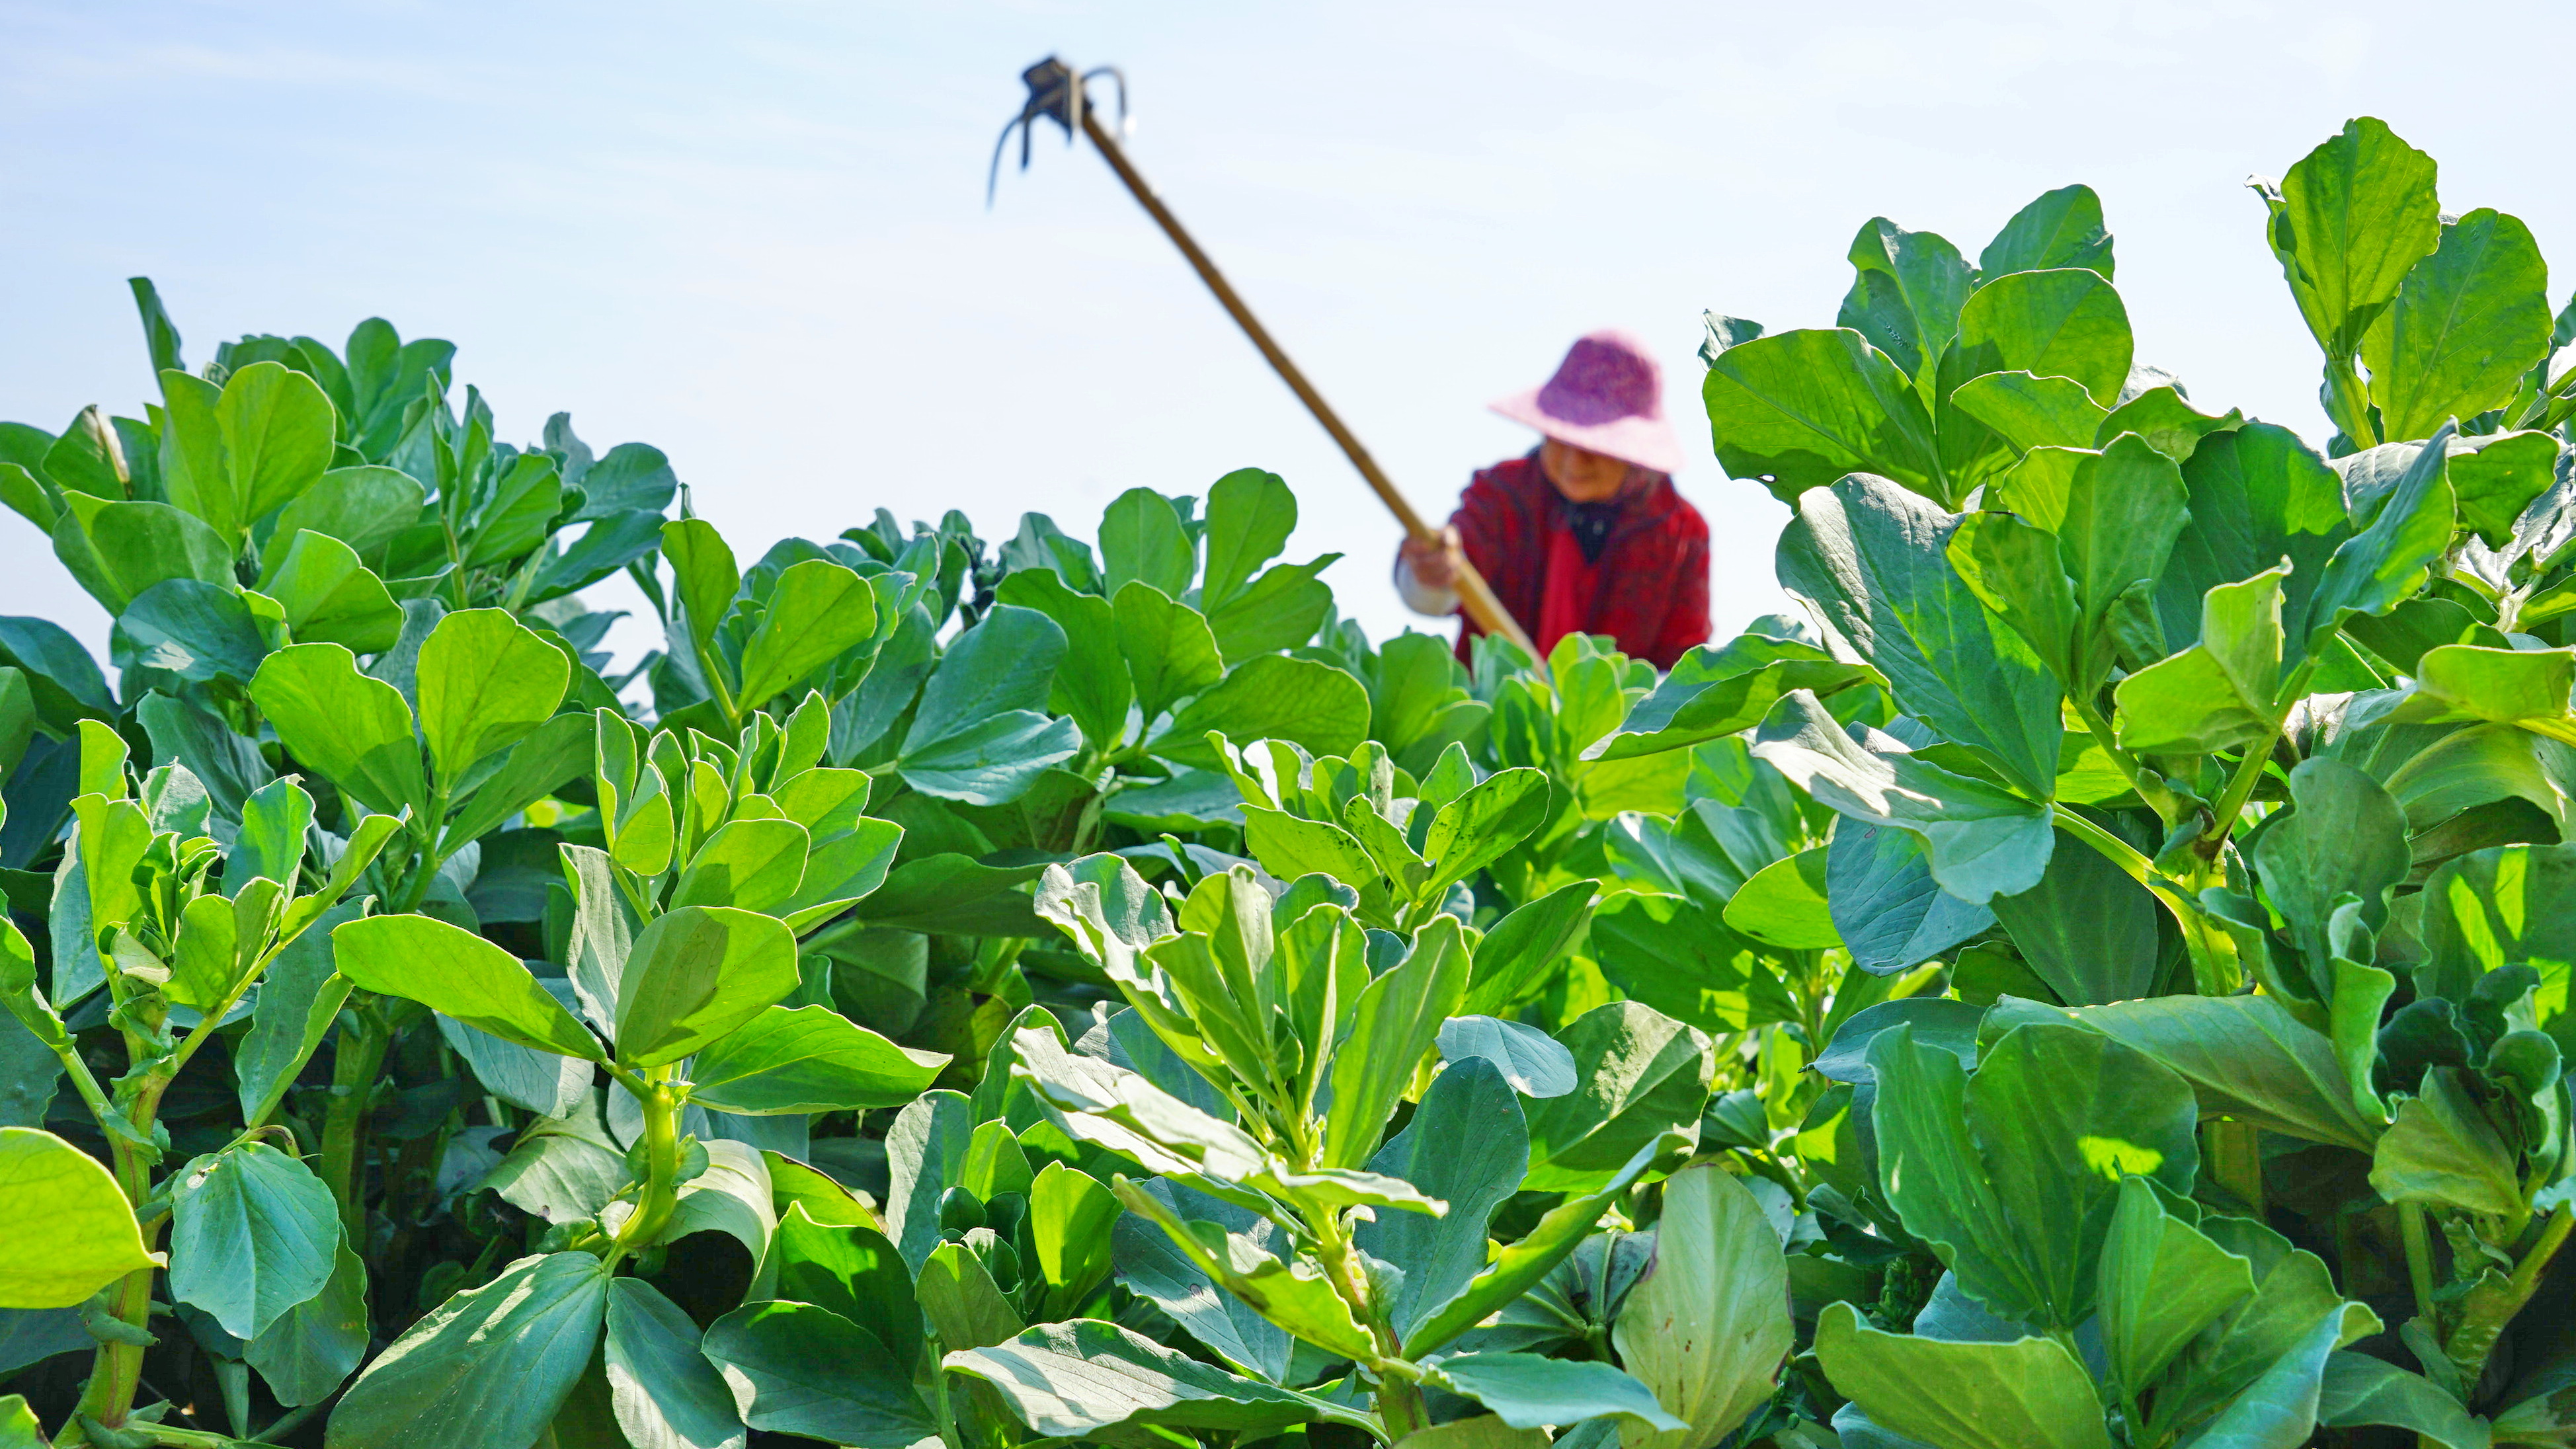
x: 2214, y: 965
x: 116, y: 1370
x: 2418, y: 1238
x: 2158, y: 796
x: 356, y: 1062
x: 1399, y: 1399
x: 661, y: 1190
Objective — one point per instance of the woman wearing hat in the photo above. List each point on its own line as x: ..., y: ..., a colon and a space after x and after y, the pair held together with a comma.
x: 1584, y: 534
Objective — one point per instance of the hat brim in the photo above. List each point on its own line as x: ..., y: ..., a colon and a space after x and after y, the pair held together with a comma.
x: 1644, y: 442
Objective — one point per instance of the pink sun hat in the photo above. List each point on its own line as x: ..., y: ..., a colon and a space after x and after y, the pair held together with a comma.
x: 1607, y: 397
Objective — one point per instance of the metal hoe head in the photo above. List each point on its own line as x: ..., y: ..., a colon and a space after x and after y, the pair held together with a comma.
x: 1056, y: 94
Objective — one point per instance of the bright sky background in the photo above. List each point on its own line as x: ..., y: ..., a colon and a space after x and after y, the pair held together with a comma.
x: 754, y: 234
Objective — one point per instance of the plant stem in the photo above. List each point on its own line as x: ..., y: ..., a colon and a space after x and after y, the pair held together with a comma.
x: 2419, y: 1259
x: 2159, y: 798
x: 117, y: 1368
x: 2213, y: 952
x: 661, y: 1195
x: 356, y: 1061
x: 1399, y: 1400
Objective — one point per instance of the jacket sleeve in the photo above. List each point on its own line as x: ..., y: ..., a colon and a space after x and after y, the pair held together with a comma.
x: 1686, y: 625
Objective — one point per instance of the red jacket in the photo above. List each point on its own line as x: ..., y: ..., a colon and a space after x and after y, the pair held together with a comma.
x: 1648, y: 588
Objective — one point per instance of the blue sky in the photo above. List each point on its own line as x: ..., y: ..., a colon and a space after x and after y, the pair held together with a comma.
x: 755, y: 235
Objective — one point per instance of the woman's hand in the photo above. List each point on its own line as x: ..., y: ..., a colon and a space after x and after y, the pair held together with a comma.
x: 1433, y: 562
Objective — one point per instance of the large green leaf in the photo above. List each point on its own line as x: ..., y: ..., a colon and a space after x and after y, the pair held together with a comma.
x: 2222, y: 692
x: 1249, y: 517
x: 798, y: 1369
x: 2347, y: 837
x: 2441, y: 1150
x: 1887, y: 909
x: 1714, y: 692
x: 2086, y: 929
x: 695, y: 974
x: 252, y: 1234
x: 1152, y: 1266
x: 2494, y: 907
x: 460, y: 974
x: 192, y: 629
x: 1088, y: 1378
x: 855, y: 1272
x: 330, y: 597
x: 1280, y: 609
x: 489, y: 1366
x: 1982, y: 840
x: 754, y: 865
x: 2468, y: 322
x: 1397, y: 1021
x: 1169, y: 651
x: 2068, y: 322
x: 1091, y: 684
x: 117, y: 550
x: 2353, y: 218
x: 2061, y: 228
x: 79, y: 1234
x: 1798, y: 410
x: 1271, y: 696
x: 1871, y: 560
x: 239, y: 455
x: 808, y: 1059
x: 816, y: 611
x: 2246, y: 1057
x: 665, y: 1393
x: 2258, y: 496
x: 1640, y: 1074
x: 2384, y: 564
x: 977, y: 734
x: 1468, y: 1146
x: 1679, y: 957
x: 485, y: 682
x: 361, y: 506
x: 312, y: 1348
x: 1141, y: 538
x: 2163, y: 1281
x: 1531, y: 1391
x: 356, y: 731
x: 1708, y: 1327
x: 2029, y: 411
x: 1905, y: 298
x: 2028, y: 1394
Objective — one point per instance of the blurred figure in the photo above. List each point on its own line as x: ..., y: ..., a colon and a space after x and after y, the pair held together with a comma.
x: 1585, y: 533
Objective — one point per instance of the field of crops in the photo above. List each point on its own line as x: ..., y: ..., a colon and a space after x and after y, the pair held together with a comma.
x: 2099, y: 977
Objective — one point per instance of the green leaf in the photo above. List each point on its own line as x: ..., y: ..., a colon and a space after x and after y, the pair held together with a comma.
x: 2028, y: 1394
x: 704, y: 577
x: 1710, y: 693
x: 312, y: 1348
x: 1522, y: 946
x: 808, y: 1059
x: 459, y: 974
x: 236, y: 457
x: 2357, y: 1389
x: 1800, y: 409
x: 2012, y: 1174
x: 926, y: 1156
x: 1314, y: 706
x: 1290, y: 846
x: 1679, y: 957
x: 1641, y: 1075
x: 1169, y: 650
x: 1886, y: 907
x: 797, y: 1369
x: 1249, y: 517
x: 2441, y: 1150
x: 2068, y: 322
x: 2086, y: 929
x: 356, y: 731
x: 562, y: 1169
x: 960, y: 1299
x: 1515, y: 1269
x: 1871, y: 561
x: 1070, y: 1215
x: 2468, y: 322
x: 252, y: 1234
x: 855, y: 1272
x: 1468, y: 1146
x: 1783, y: 904
x: 753, y: 865
x: 666, y: 1395
x: 485, y: 682
x: 2223, y: 692
x: 2497, y: 476
x: 491, y: 1365
x: 1905, y: 298
x: 1281, y: 609
x: 1982, y: 840
x: 2384, y: 564
x: 2346, y: 837
x: 1092, y: 683
x: 2258, y: 496
x: 1141, y: 538
x: 977, y: 735
x: 1474, y: 830
x: 117, y: 550
x: 1398, y: 1020
x: 2163, y: 1281
x: 554, y: 755
x: 2029, y: 411
x: 299, y: 997
x: 2061, y: 228
x: 1529, y: 1391
x: 1154, y: 1267
x: 330, y: 597
x: 1530, y: 1060
x: 77, y: 1233
x: 817, y: 611
x: 1090, y: 1378
x: 192, y: 629
x: 695, y: 974
x: 2490, y: 908
x: 1708, y: 1327
x: 2353, y: 218
x: 2246, y: 1057
x: 363, y: 507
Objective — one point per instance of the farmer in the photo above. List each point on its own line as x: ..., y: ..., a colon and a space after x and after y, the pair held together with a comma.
x: 1585, y: 533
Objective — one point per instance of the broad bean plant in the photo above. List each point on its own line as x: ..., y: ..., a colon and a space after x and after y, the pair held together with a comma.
x: 2097, y: 975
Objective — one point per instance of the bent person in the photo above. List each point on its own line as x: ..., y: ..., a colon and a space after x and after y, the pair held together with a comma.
x: 1586, y: 533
